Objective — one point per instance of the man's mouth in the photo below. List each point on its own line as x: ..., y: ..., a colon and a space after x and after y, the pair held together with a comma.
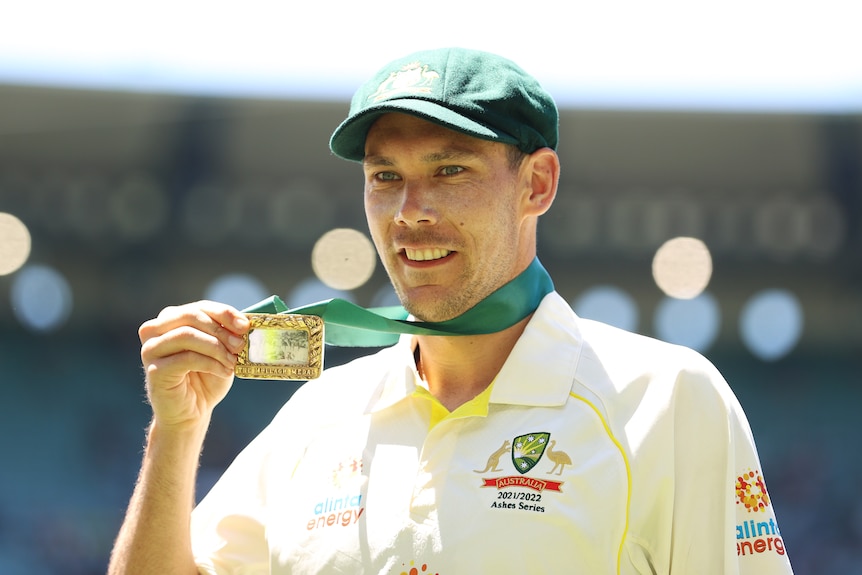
x: 425, y: 255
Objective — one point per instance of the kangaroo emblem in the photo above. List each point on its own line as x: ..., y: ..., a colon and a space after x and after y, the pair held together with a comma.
x: 414, y: 78
x: 494, y: 459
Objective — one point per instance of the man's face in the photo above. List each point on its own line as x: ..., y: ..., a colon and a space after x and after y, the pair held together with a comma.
x: 446, y: 214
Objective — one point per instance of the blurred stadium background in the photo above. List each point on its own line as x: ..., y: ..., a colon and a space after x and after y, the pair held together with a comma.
x: 142, y: 166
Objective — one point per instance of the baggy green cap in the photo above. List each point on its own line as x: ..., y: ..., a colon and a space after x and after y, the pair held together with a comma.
x: 477, y: 93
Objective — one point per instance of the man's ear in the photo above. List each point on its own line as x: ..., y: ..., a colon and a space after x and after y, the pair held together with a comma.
x: 542, y: 169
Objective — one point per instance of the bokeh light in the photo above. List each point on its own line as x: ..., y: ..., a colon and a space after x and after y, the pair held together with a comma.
x: 15, y: 243
x: 771, y: 323
x: 682, y: 267
x: 610, y: 305
x: 312, y: 290
x: 691, y: 322
x: 41, y: 298
x: 343, y: 258
x: 238, y: 290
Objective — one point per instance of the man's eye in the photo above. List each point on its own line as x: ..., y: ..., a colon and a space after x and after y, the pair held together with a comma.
x: 451, y: 170
x: 386, y: 176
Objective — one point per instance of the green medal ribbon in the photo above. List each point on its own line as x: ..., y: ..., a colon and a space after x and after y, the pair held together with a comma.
x: 349, y: 325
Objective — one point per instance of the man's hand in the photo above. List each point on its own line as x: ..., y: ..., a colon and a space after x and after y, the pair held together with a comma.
x: 189, y: 355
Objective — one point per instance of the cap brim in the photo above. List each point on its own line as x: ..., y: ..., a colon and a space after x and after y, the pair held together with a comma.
x: 348, y: 139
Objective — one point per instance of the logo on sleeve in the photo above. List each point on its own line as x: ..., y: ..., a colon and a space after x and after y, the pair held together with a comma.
x: 751, y: 492
x: 759, y: 535
x: 342, y: 506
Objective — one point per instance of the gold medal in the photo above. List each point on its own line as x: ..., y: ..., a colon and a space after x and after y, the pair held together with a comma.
x: 282, y: 346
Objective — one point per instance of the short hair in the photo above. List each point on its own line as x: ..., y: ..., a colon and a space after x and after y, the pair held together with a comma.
x: 515, y: 156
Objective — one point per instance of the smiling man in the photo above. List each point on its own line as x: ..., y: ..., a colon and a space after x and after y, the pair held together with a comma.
x: 450, y: 215
x: 546, y: 444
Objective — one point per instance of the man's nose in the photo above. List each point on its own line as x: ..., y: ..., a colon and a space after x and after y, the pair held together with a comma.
x: 417, y: 205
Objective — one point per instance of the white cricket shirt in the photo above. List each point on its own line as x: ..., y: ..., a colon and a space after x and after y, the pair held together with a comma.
x: 594, y: 451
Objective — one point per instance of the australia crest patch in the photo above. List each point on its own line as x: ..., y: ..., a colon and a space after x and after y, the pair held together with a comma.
x: 528, y: 449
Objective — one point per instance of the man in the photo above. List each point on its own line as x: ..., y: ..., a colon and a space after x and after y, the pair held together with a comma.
x: 532, y: 442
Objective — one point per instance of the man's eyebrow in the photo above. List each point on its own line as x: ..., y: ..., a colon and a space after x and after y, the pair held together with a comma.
x: 376, y: 161
x: 432, y: 158
x: 449, y: 155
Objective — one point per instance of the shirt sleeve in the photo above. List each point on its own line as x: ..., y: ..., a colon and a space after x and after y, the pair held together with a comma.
x: 231, y: 527
x: 227, y: 527
x: 724, y: 521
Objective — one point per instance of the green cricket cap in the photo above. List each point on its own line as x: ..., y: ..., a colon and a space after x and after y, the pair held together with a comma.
x: 477, y: 93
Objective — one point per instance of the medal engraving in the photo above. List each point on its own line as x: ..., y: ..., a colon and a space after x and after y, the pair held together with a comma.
x: 282, y: 346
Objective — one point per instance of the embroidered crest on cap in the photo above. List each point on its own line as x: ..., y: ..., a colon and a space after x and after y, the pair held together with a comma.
x: 414, y: 78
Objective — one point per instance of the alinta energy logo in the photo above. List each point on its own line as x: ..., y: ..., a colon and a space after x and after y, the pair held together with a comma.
x: 751, y: 492
x: 344, y: 508
x: 526, y: 452
x: 759, y: 535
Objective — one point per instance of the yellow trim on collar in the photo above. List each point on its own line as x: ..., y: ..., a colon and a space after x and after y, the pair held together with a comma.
x: 476, y: 407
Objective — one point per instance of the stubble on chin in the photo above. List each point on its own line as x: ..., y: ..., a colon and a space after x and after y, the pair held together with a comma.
x: 440, y: 307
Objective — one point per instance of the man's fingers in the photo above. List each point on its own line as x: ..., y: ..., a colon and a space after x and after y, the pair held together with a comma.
x: 176, y: 366
x: 190, y: 339
x: 219, y: 320
x: 189, y: 356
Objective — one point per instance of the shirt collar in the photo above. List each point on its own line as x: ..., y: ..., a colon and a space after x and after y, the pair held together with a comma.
x: 538, y: 372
